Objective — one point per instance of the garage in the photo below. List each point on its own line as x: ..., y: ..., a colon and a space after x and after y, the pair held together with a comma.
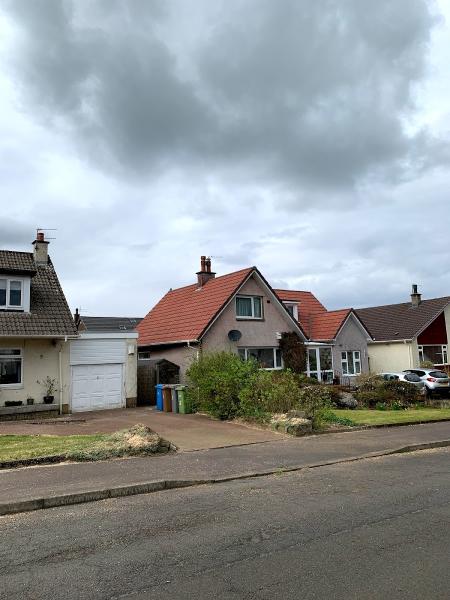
x: 96, y: 387
x: 103, y: 370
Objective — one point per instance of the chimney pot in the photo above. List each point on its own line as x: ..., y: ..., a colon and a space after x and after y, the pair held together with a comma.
x: 205, y: 273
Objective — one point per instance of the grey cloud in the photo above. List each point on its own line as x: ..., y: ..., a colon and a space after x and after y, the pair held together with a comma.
x: 303, y: 92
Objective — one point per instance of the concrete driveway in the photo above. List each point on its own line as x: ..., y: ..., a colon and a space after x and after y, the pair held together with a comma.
x: 187, y: 432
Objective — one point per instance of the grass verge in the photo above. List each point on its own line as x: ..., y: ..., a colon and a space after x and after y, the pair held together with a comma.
x: 137, y: 440
x: 391, y: 417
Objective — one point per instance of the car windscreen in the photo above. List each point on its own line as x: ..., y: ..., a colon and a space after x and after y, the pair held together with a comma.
x: 438, y: 374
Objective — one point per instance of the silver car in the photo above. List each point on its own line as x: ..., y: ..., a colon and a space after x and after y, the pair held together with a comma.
x: 411, y: 378
x: 436, y: 382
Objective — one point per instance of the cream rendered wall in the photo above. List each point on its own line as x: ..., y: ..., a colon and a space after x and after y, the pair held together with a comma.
x: 255, y: 333
x: 131, y: 370
x: 39, y: 359
x: 394, y: 356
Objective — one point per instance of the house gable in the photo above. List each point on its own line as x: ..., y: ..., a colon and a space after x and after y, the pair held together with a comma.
x: 254, y: 333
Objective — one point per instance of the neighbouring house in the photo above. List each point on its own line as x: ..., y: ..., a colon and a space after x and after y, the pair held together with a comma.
x: 337, y: 346
x: 103, y: 363
x: 407, y: 334
x: 36, y: 327
x: 237, y: 312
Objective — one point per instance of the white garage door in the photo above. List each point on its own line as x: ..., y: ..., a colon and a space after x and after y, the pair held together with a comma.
x: 95, y: 387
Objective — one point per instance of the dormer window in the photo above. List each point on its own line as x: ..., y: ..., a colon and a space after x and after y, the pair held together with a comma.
x: 292, y: 309
x: 248, y: 307
x: 11, y: 294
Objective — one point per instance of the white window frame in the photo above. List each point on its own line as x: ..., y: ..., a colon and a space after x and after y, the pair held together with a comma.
x: 356, y: 359
x: 294, y: 306
x: 8, y: 305
x: 15, y: 356
x: 140, y: 357
x: 252, y: 298
x: 274, y: 348
x: 318, y: 373
x: 444, y: 352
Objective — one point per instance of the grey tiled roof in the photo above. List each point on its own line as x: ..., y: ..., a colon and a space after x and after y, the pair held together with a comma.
x: 110, y: 324
x: 49, y: 313
x: 401, y: 321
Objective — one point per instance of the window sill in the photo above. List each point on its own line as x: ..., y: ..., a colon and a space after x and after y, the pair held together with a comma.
x: 11, y: 386
x: 250, y: 319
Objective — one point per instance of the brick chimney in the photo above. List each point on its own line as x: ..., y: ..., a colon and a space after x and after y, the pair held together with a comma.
x: 40, y: 249
x: 416, y: 298
x: 205, y: 273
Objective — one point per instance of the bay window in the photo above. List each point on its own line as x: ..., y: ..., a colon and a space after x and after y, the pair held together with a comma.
x: 351, y: 362
x: 267, y: 358
x: 249, y: 307
x: 10, y: 366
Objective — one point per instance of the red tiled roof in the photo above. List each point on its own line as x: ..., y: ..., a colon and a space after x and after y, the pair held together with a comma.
x: 325, y: 326
x: 183, y: 314
x: 308, y: 304
x: 316, y: 321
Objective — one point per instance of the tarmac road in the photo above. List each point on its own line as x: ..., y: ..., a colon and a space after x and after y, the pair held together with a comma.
x: 377, y: 528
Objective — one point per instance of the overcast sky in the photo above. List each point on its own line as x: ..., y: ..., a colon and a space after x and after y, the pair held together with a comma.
x: 308, y: 138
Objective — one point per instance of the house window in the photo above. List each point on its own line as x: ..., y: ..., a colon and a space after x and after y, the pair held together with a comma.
x: 267, y: 358
x: 438, y: 355
x: 351, y: 362
x: 320, y: 364
x: 11, y: 293
x: 10, y: 366
x: 144, y: 356
x: 249, y: 307
x: 292, y: 309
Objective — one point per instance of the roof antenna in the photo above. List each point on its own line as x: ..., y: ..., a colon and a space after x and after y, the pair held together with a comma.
x: 43, y: 229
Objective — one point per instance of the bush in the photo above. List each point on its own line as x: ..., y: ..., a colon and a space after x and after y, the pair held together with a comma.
x: 315, y: 400
x: 269, y: 392
x: 216, y: 380
x: 389, y: 395
x: 368, y: 382
x: 330, y: 417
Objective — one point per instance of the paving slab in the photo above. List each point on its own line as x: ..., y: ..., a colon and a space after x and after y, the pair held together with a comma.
x: 187, y: 432
x: 49, y: 481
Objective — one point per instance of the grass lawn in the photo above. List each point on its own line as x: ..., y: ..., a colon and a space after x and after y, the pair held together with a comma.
x: 386, y: 417
x: 130, y: 442
x: 13, y: 447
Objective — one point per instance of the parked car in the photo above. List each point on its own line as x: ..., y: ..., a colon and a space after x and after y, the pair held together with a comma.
x: 411, y: 378
x: 436, y: 382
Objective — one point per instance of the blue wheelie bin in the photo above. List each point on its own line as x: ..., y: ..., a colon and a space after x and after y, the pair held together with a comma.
x: 159, y: 396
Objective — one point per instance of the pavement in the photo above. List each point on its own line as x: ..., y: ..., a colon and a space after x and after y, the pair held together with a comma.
x: 187, y: 432
x: 33, y: 488
x: 372, y: 529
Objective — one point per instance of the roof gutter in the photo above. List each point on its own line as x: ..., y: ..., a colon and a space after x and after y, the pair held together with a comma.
x: 143, y: 345
x: 401, y: 341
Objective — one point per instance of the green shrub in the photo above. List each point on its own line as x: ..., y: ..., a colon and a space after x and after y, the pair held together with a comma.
x: 315, y: 400
x: 389, y: 395
x: 305, y: 380
x: 216, y: 380
x: 269, y: 392
x: 368, y: 382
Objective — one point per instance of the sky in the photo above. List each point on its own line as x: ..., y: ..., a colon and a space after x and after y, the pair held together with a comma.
x: 310, y: 139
